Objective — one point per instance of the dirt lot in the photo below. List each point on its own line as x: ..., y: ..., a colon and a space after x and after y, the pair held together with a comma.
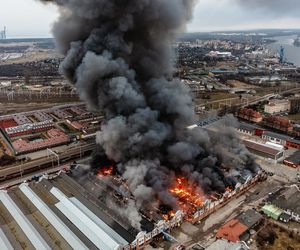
x: 276, y: 238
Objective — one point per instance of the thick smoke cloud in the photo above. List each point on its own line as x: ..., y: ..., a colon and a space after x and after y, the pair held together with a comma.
x: 119, y: 57
x: 279, y: 7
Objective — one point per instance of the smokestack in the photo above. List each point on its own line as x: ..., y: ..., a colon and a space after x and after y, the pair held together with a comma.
x: 119, y: 57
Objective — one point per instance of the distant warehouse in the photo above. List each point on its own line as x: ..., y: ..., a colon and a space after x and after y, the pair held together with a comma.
x: 293, y: 160
x: 264, y: 150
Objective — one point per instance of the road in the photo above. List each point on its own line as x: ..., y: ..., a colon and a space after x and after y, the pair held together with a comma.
x: 235, y: 101
x: 70, y: 155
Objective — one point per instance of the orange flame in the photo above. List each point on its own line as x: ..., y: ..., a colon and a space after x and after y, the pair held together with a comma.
x: 105, y: 171
x: 189, y: 196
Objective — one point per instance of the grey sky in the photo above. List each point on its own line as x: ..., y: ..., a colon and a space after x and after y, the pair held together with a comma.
x: 29, y: 18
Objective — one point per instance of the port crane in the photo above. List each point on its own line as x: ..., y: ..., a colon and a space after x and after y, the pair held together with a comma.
x: 3, y: 33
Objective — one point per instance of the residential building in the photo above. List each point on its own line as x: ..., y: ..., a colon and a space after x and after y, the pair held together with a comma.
x: 278, y: 106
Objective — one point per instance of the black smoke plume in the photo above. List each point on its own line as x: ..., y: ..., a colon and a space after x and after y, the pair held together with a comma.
x: 119, y: 57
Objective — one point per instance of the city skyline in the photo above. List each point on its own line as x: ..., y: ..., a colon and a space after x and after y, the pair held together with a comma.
x: 213, y: 15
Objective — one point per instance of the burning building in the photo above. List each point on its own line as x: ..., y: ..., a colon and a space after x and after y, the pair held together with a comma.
x: 118, y: 55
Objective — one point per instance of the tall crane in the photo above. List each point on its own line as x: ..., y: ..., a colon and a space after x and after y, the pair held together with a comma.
x: 3, y: 33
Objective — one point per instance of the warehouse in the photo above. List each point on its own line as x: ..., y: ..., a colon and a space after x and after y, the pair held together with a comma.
x: 280, y: 139
x: 274, y: 137
x: 249, y: 129
x: 264, y: 150
x: 46, y: 216
x: 287, y: 199
x: 294, y: 160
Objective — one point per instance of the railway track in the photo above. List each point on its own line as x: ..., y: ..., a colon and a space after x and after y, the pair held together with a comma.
x: 70, y: 155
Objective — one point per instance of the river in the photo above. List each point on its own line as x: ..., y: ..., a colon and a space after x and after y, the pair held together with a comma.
x: 292, y: 53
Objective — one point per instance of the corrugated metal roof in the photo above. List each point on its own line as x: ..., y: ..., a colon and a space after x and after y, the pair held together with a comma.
x: 99, y: 222
x: 83, y: 222
x: 261, y: 148
x: 67, y: 234
x: 4, y: 242
x: 32, y: 234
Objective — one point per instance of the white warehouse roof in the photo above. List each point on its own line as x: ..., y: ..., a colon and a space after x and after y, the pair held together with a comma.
x: 32, y: 234
x: 87, y: 222
x: 67, y: 234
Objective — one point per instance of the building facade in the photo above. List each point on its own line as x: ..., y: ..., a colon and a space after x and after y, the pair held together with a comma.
x: 278, y: 106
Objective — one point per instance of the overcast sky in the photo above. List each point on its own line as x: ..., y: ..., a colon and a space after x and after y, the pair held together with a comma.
x: 29, y: 18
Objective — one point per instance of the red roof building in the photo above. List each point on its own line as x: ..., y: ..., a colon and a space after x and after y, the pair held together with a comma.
x: 250, y: 115
x: 55, y: 138
x: 279, y: 123
x: 7, y: 123
x: 232, y: 231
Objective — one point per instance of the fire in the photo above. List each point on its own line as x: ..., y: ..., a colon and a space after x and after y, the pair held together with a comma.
x: 189, y: 196
x: 105, y: 171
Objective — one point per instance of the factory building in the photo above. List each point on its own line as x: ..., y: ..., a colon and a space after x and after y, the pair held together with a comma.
x: 277, y: 106
x: 274, y: 137
x: 46, y: 218
x: 249, y: 129
x: 287, y: 199
x: 264, y: 150
x: 293, y: 160
x: 281, y: 139
x: 57, y: 213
